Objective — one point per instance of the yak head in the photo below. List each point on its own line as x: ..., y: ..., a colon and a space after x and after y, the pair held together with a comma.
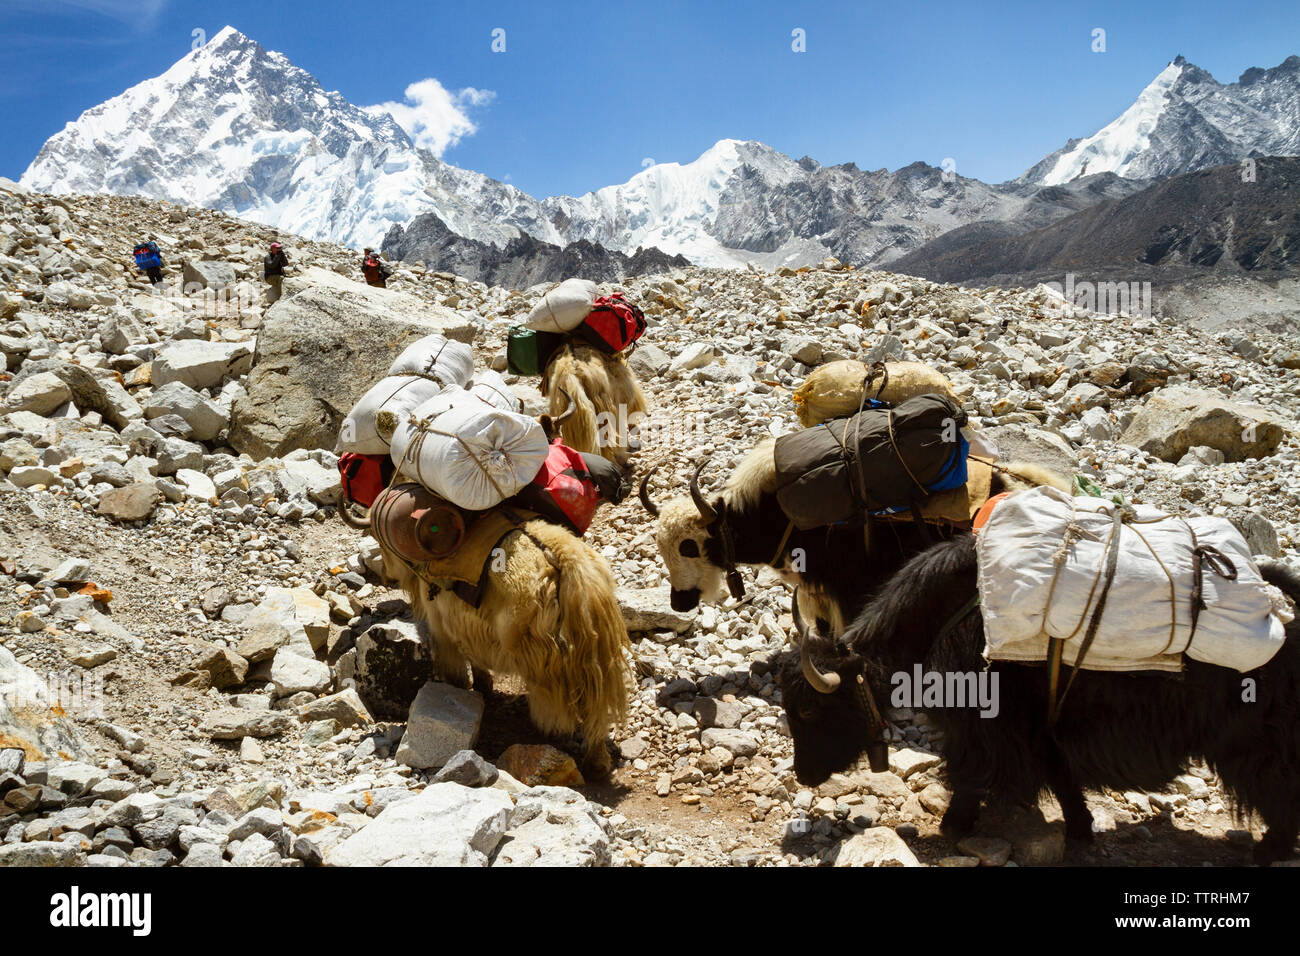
x: 832, y: 714
x: 687, y: 532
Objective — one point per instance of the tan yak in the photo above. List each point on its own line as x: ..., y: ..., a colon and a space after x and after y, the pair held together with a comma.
x: 526, y: 597
x: 609, y: 400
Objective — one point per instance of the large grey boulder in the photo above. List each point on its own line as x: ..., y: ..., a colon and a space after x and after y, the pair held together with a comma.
x: 89, y: 392
x: 446, y: 825
x: 208, y: 274
x: 317, y: 353
x: 32, y: 721
x: 1176, y: 418
x: 200, y: 364
x: 554, y: 826
x: 1024, y: 443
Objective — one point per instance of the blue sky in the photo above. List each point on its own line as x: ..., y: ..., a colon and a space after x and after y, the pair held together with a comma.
x: 585, y: 92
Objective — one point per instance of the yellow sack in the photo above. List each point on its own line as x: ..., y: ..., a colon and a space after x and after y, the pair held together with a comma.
x: 835, y: 390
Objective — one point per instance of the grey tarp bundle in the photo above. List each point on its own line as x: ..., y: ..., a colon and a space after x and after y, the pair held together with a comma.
x: 880, y: 460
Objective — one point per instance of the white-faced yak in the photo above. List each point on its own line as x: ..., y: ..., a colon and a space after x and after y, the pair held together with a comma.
x: 1134, y: 730
x: 835, y: 568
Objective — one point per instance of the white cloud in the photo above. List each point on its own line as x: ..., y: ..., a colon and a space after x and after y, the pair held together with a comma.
x: 434, y: 117
x: 138, y: 13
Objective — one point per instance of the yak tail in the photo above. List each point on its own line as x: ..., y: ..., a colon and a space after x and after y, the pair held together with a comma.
x: 1020, y: 475
x: 591, y: 642
x: 579, y: 430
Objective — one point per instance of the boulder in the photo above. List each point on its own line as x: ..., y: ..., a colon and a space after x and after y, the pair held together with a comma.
x: 878, y: 846
x: 233, y: 723
x: 318, y: 351
x: 88, y: 392
x: 200, y: 364
x: 39, y: 394
x: 33, y: 722
x: 392, y: 665
x: 1176, y: 418
x: 133, y: 502
x: 443, y: 721
x: 204, y: 416
x: 540, y: 765
x: 293, y: 673
x: 208, y: 274
x: 648, y: 609
x: 1024, y: 443
x: 554, y: 826
x: 446, y: 825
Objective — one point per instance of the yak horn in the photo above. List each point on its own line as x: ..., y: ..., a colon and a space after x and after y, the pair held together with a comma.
x: 352, y: 519
x: 649, y: 505
x: 827, y: 683
x: 565, y: 415
x: 705, y: 509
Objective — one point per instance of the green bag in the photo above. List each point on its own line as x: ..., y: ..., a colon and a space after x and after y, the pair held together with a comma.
x: 529, y: 352
x: 521, y: 352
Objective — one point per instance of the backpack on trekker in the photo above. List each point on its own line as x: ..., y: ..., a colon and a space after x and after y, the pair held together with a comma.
x: 880, y: 461
x: 147, y: 255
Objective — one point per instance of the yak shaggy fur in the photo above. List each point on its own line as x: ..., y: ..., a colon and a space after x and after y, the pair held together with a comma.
x: 1124, y: 731
x: 549, y: 617
x: 607, y: 397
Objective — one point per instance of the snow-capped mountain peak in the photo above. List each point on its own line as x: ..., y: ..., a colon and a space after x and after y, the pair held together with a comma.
x: 238, y: 128
x: 1185, y: 120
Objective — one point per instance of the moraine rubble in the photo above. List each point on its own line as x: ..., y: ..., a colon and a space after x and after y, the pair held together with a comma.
x: 245, y: 673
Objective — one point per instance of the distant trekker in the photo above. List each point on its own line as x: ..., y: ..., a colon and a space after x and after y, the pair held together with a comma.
x: 273, y: 267
x: 148, y: 259
x: 375, y: 269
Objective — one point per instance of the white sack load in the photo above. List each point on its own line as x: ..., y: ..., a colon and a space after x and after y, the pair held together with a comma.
x: 467, y: 451
x: 492, y: 388
x: 436, y: 357
x: 564, y: 307
x: 1147, y: 620
x: 398, y: 394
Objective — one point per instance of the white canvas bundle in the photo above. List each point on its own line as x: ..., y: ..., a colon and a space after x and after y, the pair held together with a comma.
x: 436, y: 357
x: 492, y: 388
x: 398, y: 394
x: 467, y: 451
x: 1147, y: 620
x: 564, y: 307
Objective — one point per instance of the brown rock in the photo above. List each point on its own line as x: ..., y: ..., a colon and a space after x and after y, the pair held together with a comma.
x: 133, y: 502
x: 540, y: 765
x: 225, y: 668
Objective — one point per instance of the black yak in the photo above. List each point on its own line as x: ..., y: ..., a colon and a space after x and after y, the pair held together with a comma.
x: 1133, y: 730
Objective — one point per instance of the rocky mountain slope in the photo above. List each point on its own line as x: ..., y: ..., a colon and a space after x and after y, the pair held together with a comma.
x: 523, y: 261
x: 242, y: 678
x: 234, y: 127
x: 1186, y: 120
x: 1208, y: 225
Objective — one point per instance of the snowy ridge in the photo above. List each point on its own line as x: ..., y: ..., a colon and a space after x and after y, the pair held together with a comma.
x: 237, y: 128
x: 234, y: 127
x: 1185, y: 120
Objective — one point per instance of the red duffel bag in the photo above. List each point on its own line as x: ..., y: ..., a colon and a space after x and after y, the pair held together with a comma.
x: 564, y: 490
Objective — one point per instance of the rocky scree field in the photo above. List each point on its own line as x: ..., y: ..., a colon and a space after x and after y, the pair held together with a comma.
x: 200, y: 665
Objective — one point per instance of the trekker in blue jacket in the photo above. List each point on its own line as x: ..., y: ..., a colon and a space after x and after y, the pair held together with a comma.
x: 148, y: 259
